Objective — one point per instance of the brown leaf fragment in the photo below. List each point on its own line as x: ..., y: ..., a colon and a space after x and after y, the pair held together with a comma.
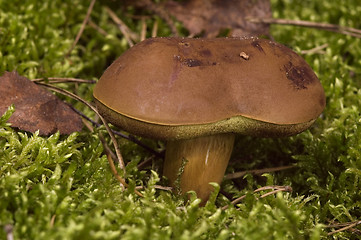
x: 35, y: 107
x: 211, y: 16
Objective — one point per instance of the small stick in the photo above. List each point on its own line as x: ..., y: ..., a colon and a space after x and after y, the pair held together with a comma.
x: 277, y: 189
x: 285, y: 189
x: 128, y: 137
x: 344, y: 228
x: 256, y: 172
x: 121, y: 180
x: 8, y: 228
x: 145, y: 162
x: 337, y: 225
x: 143, y: 32
x: 63, y: 80
x: 315, y: 50
x: 90, y: 8
x: 157, y: 187
x: 106, y: 147
x: 326, y: 26
x: 118, y: 154
x: 72, y: 95
x: 52, y: 220
x: 162, y: 13
x: 128, y: 34
x: 155, y: 29
x: 96, y: 27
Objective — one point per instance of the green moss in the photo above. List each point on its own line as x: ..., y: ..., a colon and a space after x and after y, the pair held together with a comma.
x: 61, y: 187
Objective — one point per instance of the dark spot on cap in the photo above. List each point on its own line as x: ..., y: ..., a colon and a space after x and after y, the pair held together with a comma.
x: 148, y: 41
x: 322, y: 101
x: 206, y: 53
x: 192, y: 62
x: 185, y: 44
x: 118, y: 70
x: 299, y: 76
x: 257, y: 45
x: 176, y: 70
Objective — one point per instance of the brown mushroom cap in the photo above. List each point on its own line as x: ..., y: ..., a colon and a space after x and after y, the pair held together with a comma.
x: 180, y: 87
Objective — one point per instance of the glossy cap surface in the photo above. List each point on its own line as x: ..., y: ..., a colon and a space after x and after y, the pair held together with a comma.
x: 180, y: 83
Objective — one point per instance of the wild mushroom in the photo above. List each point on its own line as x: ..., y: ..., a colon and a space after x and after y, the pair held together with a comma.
x: 196, y: 94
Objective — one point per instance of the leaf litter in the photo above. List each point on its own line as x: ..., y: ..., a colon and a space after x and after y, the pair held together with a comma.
x: 36, y: 108
x: 211, y: 17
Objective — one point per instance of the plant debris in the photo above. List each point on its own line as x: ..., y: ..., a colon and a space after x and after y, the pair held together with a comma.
x: 211, y: 17
x: 35, y: 107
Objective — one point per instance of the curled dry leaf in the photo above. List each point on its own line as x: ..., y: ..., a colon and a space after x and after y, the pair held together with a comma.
x: 35, y: 107
x: 215, y: 15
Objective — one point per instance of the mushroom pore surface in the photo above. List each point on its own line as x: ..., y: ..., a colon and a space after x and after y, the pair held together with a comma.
x: 174, y: 88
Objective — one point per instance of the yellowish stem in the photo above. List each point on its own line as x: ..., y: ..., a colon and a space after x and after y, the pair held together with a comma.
x: 192, y: 164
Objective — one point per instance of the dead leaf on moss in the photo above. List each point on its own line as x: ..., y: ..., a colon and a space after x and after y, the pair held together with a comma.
x: 211, y: 16
x: 35, y: 107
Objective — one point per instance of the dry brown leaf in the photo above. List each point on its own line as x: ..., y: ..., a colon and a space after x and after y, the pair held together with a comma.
x: 211, y: 16
x: 35, y: 107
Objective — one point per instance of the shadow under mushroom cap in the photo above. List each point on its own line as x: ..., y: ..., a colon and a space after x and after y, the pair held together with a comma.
x: 237, y: 124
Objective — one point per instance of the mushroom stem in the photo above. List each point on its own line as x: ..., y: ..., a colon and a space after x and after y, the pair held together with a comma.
x: 191, y: 164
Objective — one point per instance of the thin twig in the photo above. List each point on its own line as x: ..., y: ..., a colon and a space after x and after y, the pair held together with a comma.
x: 120, y: 179
x: 128, y: 34
x: 351, y: 225
x: 122, y: 135
x: 90, y: 8
x: 118, y: 153
x: 143, y: 32
x: 63, y: 80
x: 107, y: 149
x: 52, y: 220
x: 155, y: 29
x: 151, y: 158
x: 326, y: 26
x: 256, y: 172
x: 318, y: 49
x: 276, y: 190
x: 337, y: 225
x: 157, y: 187
x: 286, y: 188
x: 145, y: 162
x: 96, y: 27
x: 8, y: 228
x: 110, y: 157
x: 162, y: 13
x: 74, y: 96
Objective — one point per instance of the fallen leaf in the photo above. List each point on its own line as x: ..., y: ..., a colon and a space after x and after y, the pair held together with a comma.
x: 212, y: 16
x: 35, y: 107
